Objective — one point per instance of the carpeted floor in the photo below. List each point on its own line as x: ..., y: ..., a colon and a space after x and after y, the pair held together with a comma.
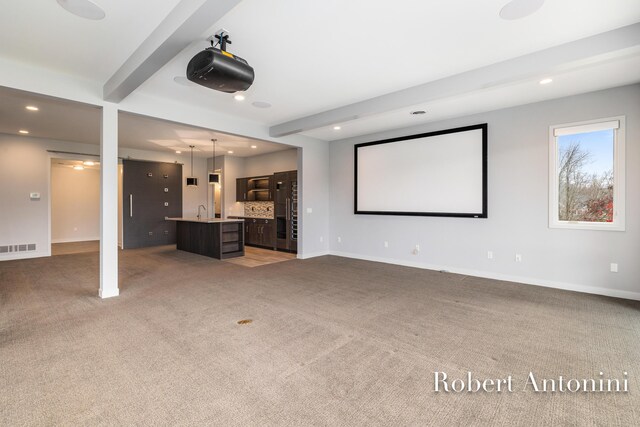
x: 333, y: 342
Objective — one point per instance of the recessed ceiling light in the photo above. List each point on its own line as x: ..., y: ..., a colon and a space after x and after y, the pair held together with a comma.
x: 254, y: 146
x: 518, y: 9
x: 239, y: 97
x: 230, y: 152
x: 337, y: 128
x: 545, y: 81
x: 178, y: 152
x: 83, y: 8
x: 88, y: 163
x: 417, y: 112
x: 261, y: 104
x: 78, y: 167
x: 32, y: 108
x: 24, y: 132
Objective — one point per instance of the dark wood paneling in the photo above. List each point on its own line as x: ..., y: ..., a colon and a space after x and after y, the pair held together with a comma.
x: 156, y: 191
x: 215, y: 240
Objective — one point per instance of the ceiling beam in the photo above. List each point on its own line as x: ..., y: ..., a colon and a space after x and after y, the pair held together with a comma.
x: 538, y: 64
x: 186, y: 23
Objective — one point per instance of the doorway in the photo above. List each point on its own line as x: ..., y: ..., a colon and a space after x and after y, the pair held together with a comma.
x: 75, y: 205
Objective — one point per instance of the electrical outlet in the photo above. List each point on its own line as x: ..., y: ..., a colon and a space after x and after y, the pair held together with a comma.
x: 489, y: 254
x: 386, y: 244
x: 321, y: 239
x: 418, y: 248
x: 309, y: 210
x: 614, y: 267
x: 339, y: 239
x: 518, y: 258
x: 415, y: 250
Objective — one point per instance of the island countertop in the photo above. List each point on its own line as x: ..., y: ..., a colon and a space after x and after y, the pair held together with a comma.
x: 203, y: 220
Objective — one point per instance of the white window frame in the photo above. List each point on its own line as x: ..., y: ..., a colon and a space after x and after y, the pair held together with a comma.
x: 618, y: 223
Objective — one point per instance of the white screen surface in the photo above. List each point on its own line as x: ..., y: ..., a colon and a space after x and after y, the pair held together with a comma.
x: 437, y: 174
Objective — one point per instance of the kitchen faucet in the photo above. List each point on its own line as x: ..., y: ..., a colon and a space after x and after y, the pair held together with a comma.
x: 203, y: 207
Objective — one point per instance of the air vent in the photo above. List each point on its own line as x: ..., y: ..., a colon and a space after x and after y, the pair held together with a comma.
x: 24, y: 247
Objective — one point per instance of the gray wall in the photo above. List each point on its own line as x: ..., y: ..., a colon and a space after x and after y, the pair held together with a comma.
x: 518, y: 206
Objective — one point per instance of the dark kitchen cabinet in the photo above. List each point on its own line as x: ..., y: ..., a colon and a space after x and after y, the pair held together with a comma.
x: 241, y: 189
x: 255, y: 189
x: 259, y: 232
x: 260, y: 189
x: 221, y: 240
x: 268, y: 233
x: 151, y: 192
x: 286, y: 210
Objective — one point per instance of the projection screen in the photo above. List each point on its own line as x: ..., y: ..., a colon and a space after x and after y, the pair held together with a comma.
x: 441, y: 173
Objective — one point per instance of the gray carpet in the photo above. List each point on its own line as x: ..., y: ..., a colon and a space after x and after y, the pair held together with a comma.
x: 333, y: 341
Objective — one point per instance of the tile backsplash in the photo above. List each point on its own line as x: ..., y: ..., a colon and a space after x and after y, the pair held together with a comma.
x: 258, y: 209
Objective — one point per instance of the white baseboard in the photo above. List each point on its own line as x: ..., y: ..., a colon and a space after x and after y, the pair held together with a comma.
x: 75, y: 239
x: 499, y: 276
x: 313, y: 254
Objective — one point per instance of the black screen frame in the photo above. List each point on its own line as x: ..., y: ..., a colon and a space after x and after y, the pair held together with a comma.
x: 483, y: 214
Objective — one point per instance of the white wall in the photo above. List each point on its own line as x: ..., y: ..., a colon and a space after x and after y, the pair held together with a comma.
x: 266, y: 164
x: 25, y: 167
x: 313, y: 208
x: 75, y: 204
x: 17, y: 75
x: 239, y: 167
x: 232, y: 168
x: 518, y: 206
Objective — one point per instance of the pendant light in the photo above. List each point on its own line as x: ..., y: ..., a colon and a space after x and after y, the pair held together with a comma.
x: 214, y: 177
x: 192, y: 181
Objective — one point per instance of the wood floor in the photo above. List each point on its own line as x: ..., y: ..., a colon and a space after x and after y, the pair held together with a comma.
x: 255, y: 257
x: 75, y: 247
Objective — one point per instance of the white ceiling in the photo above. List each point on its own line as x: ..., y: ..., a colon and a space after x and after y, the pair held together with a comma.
x: 42, y: 33
x: 312, y: 56
x: 147, y: 133
x: 618, y: 72
x: 72, y: 121
x: 56, y: 119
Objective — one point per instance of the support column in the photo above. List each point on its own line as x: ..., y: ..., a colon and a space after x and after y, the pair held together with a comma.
x: 109, y: 202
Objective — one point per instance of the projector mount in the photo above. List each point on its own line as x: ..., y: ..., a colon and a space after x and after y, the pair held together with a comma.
x: 222, y: 37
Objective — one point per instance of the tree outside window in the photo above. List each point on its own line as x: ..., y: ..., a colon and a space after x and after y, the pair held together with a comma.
x: 586, y: 175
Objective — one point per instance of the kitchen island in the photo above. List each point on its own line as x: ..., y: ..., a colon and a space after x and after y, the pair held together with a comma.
x: 212, y: 237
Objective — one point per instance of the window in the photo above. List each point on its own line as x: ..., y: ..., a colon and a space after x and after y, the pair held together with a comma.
x: 586, y: 175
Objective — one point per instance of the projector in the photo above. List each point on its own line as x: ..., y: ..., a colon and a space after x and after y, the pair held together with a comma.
x: 220, y: 70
